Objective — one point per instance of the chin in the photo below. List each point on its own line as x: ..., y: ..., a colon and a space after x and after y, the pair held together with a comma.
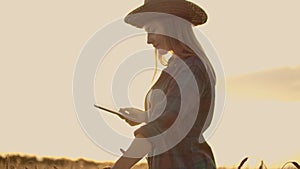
x: 162, y: 51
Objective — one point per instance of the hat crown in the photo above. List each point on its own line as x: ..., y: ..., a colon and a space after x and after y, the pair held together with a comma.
x: 147, y: 1
x: 181, y: 8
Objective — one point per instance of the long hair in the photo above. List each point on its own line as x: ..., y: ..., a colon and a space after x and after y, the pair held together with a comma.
x: 162, y: 61
x: 179, y: 32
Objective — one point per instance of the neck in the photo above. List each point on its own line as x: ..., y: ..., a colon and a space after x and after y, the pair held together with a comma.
x: 182, y: 51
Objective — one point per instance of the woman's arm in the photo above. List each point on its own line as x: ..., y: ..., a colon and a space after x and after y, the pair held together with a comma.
x: 136, y: 151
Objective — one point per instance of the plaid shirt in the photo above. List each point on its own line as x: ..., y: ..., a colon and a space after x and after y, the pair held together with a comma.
x: 163, y: 110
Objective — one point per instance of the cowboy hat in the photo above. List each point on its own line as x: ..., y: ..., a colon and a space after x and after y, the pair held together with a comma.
x: 153, y: 8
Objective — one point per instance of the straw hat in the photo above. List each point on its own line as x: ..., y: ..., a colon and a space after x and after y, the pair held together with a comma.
x: 152, y: 8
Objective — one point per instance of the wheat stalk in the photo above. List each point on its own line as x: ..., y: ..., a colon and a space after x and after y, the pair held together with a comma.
x: 242, y: 163
x: 293, y: 162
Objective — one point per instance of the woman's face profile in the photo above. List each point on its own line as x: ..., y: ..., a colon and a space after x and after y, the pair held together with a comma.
x: 156, y: 38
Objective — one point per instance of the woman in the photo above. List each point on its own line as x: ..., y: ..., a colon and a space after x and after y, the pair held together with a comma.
x: 179, y: 106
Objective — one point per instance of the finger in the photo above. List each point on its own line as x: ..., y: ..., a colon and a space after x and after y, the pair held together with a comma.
x: 124, y: 110
x: 122, y: 117
x: 132, y: 123
x: 128, y: 120
x: 121, y: 110
x: 127, y: 111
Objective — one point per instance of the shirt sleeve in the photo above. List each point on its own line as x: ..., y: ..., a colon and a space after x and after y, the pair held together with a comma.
x: 173, y: 99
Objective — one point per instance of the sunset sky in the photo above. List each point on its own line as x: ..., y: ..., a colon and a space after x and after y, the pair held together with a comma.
x: 257, y: 43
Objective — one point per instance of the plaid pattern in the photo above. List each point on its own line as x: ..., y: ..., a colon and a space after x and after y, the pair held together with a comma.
x: 189, y: 153
x: 179, y: 159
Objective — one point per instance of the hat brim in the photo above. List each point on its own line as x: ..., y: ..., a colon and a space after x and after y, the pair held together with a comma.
x: 180, y: 8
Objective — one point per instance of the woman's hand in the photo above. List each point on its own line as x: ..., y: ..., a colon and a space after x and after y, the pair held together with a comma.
x: 133, y: 116
x: 136, y: 151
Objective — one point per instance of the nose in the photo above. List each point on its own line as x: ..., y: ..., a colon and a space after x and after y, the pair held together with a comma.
x: 150, y: 39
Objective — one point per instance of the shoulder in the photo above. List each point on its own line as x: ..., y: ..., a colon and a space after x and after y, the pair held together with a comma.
x: 196, y: 65
x: 182, y: 67
x: 194, y: 61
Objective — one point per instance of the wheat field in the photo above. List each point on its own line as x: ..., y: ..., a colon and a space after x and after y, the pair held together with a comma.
x: 16, y: 161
